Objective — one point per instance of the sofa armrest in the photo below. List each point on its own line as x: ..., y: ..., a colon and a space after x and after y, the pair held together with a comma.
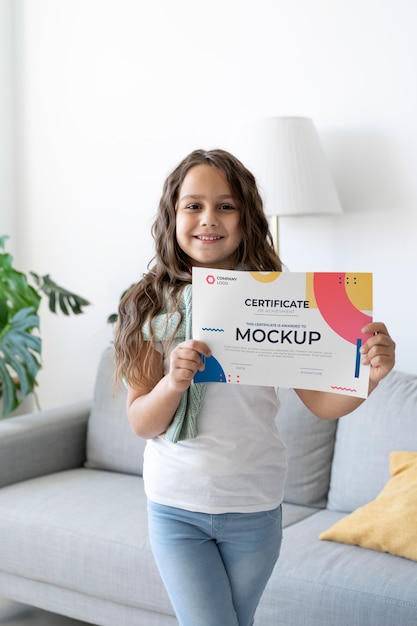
x: 42, y: 443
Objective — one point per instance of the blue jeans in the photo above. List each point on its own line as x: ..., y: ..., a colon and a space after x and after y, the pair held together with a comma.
x: 214, y: 567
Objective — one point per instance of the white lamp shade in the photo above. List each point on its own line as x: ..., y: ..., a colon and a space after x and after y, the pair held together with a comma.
x: 287, y: 159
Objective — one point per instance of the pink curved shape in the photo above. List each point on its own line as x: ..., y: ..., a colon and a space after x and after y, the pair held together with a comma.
x: 339, y: 312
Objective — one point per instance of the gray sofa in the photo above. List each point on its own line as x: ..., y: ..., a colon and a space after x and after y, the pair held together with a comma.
x: 73, y: 530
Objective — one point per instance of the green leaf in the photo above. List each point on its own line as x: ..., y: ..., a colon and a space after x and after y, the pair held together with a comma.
x: 8, y: 391
x: 67, y: 300
x: 20, y: 363
x: 3, y: 240
x: 15, y: 291
x: 4, y: 314
x: 112, y: 319
x: 20, y: 345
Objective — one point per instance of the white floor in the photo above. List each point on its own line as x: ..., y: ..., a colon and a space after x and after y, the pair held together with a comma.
x: 13, y: 614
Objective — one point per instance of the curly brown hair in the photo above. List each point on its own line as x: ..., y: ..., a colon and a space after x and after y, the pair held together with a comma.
x: 170, y: 269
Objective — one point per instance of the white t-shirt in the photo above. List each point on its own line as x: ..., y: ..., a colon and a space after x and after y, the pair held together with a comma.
x: 236, y: 464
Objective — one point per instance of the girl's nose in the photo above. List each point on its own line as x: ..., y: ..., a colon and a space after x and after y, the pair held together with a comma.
x: 209, y: 218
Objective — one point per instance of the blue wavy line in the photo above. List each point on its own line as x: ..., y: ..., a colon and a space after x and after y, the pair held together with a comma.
x: 216, y: 330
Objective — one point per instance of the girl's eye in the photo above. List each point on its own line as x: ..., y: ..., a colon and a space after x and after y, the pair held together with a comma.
x: 193, y: 207
x: 227, y: 207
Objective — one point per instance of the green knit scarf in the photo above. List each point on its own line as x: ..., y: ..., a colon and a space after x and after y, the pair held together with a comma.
x: 184, y: 423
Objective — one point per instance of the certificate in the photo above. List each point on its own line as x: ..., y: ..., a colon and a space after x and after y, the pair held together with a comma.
x: 283, y: 329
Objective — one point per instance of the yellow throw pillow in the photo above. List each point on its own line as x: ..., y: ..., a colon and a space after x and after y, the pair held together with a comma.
x: 388, y: 523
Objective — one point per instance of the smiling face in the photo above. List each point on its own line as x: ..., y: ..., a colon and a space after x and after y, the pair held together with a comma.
x: 208, y: 218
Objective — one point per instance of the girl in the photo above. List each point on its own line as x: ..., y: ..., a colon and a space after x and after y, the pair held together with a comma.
x: 214, y: 488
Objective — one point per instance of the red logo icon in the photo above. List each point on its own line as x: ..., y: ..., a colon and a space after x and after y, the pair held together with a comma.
x: 210, y: 279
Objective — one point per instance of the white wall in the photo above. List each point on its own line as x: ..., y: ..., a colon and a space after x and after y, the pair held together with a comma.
x: 7, y: 125
x: 113, y: 93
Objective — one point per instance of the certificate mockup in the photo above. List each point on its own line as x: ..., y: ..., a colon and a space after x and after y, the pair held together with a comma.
x: 283, y: 329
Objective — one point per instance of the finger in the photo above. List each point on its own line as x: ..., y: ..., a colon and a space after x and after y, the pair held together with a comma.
x: 375, y: 328
x: 188, y: 359
x: 376, y: 354
x: 378, y: 343
x: 182, y: 370
x: 198, y: 346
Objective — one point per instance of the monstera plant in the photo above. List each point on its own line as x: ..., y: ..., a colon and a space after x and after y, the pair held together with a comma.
x: 20, y: 342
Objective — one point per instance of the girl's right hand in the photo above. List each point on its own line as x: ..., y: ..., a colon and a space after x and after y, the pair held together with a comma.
x: 185, y: 361
x: 150, y: 408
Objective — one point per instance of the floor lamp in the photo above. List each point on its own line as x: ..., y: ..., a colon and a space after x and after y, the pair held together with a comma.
x: 288, y: 161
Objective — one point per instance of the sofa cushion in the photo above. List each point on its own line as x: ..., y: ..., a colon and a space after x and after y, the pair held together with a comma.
x: 293, y: 513
x: 388, y: 523
x: 111, y: 443
x: 310, y: 443
x: 385, y: 422
x: 82, y: 530
x: 322, y: 583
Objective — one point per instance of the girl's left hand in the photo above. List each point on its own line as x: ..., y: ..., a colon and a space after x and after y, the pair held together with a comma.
x: 378, y: 351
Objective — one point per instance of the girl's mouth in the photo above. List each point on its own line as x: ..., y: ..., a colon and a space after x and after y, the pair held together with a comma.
x: 208, y: 237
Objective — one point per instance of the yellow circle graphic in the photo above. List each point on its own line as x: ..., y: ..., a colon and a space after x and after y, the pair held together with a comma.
x: 359, y: 290
x: 265, y: 277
